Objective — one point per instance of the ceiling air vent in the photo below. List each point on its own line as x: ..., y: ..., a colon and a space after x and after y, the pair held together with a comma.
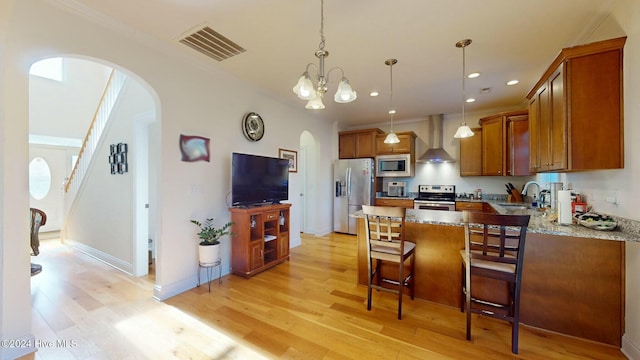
x: 211, y: 43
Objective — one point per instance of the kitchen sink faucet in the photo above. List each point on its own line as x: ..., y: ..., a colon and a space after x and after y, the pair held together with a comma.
x: 526, y: 187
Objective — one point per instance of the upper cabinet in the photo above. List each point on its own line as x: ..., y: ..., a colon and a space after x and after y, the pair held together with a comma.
x: 517, y: 156
x: 471, y: 154
x: 357, y: 143
x: 493, y: 145
x: 405, y: 146
x: 575, y: 110
x: 505, y: 144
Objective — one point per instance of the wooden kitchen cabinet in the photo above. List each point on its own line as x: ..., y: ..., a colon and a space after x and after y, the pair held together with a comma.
x: 357, y: 143
x: 493, y: 145
x: 261, y: 238
x: 405, y: 146
x: 474, y: 206
x: 505, y: 144
x: 575, y: 110
x: 517, y: 156
x: 547, y: 122
x: 471, y: 154
x: 406, y: 203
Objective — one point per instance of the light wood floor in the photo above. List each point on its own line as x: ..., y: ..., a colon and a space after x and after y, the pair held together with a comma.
x: 308, y: 308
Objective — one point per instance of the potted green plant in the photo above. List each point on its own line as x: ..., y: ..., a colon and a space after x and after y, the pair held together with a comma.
x: 209, y: 235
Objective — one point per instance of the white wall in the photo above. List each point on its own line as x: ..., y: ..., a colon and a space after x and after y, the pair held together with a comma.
x: 66, y: 108
x: 191, y: 99
x: 103, y: 217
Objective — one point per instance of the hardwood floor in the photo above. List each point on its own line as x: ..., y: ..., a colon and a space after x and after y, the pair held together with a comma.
x: 307, y: 308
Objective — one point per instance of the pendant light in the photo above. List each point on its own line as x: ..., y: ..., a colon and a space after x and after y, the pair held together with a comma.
x: 313, y: 91
x: 391, y: 138
x: 463, y: 131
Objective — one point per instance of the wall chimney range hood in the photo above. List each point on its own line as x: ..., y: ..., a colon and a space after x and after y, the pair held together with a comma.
x: 435, y: 154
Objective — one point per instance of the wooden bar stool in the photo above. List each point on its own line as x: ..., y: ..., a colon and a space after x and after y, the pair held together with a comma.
x: 386, y: 244
x: 494, y: 248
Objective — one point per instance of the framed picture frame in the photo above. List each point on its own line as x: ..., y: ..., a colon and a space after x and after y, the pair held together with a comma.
x: 118, y: 158
x: 290, y: 155
x: 194, y: 148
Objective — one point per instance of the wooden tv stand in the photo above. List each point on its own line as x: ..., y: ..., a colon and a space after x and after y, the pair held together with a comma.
x: 262, y: 238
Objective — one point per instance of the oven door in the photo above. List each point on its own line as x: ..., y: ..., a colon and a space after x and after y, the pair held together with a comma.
x: 434, y: 205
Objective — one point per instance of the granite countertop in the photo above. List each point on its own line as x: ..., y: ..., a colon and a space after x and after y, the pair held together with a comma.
x: 395, y: 197
x: 627, y: 230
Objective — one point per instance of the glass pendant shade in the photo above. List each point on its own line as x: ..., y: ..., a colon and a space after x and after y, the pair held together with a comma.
x: 304, y: 88
x: 463, y: 132
x: 315, y: 103
x: 391, y: 138
x: 345, y: 93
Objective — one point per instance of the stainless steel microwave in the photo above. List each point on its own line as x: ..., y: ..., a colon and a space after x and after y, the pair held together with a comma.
x: 399, y: 165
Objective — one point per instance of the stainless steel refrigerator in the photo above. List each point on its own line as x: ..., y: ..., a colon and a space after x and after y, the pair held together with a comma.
x: 353, y: 187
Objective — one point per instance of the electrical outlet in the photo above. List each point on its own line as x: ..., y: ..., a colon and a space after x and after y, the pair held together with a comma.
x: 612, y: 198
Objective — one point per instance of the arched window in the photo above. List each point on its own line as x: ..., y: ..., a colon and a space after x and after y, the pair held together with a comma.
x: 48, y: 68
x: 39, y: 178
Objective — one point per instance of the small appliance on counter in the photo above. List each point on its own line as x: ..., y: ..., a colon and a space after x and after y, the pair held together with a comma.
x: 397, y: 189
x: 565, y: 216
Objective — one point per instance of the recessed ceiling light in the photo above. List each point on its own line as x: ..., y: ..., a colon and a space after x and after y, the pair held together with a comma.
x: 512, y: 82
x: 392, y: 111
x: 374, y: 93
x: 470, y: 100
x: 473, y: 75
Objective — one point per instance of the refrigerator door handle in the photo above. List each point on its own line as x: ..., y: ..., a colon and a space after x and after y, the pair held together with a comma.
x: 348, y: 192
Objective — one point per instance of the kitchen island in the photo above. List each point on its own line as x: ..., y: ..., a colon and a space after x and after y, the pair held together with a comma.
x: 573, y: 279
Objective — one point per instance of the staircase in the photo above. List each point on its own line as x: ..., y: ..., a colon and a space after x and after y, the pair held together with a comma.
x: 92, y: 138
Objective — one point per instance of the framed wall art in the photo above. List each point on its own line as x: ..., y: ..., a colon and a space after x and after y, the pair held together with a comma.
x: 290, y: 155
x: 194, y: 148
x: 118, y: 158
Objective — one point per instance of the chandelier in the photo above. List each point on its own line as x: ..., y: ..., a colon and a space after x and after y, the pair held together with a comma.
x: 463, y: 131
x: 313, y: 90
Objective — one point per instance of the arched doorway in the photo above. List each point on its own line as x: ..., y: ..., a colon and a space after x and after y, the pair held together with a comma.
x: 62, y: 109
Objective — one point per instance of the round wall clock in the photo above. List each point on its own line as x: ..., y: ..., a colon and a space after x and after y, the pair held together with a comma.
x: 253, y: 126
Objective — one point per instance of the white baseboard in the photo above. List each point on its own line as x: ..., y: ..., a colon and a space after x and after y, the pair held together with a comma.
x: 629, y: 349
x: 163, y: 292
x: 102, y: 256
x: 24, y: 345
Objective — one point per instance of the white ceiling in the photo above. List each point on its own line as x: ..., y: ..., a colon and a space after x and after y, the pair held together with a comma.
x: 512, y: 39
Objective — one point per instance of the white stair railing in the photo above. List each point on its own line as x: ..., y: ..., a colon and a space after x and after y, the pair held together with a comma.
x: 92, y: 138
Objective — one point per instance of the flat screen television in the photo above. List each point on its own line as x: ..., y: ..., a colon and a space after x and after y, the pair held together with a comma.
x: 258, y: 179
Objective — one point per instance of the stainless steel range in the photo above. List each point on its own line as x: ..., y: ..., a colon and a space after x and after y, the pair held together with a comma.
x: 436, y: 197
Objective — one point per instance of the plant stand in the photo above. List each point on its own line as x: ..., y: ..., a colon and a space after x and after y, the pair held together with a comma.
x: 209, y: 270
